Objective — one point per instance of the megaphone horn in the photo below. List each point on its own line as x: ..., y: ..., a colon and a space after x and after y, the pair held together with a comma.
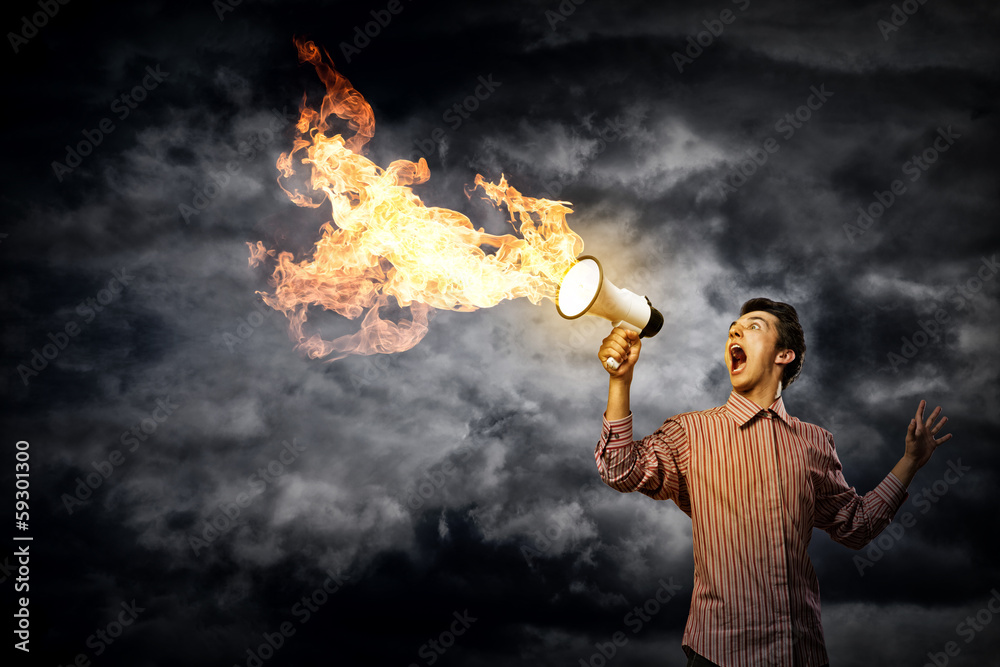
x: 585, y: 291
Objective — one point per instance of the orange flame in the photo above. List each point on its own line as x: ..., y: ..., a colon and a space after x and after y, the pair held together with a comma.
x: 384, y: 242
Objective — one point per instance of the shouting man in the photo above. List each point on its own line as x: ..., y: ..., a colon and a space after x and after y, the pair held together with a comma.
x: 755, y: 481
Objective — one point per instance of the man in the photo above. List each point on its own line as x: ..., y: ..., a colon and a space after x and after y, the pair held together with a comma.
x: 755, y: 481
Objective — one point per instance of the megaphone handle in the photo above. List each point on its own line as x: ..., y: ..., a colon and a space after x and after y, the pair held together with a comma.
x: 611, y: 364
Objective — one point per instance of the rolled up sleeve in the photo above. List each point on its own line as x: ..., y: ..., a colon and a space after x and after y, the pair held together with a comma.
x: 649, y: 466
x: 849, y: 518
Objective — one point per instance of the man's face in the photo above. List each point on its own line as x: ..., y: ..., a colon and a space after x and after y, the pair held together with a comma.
x: 751, y: 349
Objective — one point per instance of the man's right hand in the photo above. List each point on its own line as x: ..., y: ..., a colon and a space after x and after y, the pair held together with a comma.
x: 623, y: 346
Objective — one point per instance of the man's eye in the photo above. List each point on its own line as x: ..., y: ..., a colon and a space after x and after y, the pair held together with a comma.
x: 754, y: 325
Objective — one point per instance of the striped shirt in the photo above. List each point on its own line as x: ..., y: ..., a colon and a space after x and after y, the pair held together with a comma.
x: 754, y: 482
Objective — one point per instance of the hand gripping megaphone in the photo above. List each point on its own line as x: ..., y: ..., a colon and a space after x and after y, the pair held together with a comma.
x: 585, y: 291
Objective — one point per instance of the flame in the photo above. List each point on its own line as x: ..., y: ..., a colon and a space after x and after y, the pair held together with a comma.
x: 383, y: 243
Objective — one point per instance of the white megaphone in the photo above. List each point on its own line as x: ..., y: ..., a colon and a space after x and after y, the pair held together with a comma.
x: 585, y: 291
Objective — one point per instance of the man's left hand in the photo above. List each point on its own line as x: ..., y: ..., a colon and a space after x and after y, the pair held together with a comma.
x: 920, y: 436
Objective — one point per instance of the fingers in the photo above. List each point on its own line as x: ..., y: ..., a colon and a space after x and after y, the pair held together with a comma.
x: 934, y: 431
x: 939, y: 426
x: 925, y: 428
x: 623, y: 336
x: 622, y: 346
x: 614, y: 353
x: 618, y: 344
x: 930, y: 420
x: 923, y: 424
x: 615, y: 349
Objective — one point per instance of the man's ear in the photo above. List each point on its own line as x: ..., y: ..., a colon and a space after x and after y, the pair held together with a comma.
x: 785, y: 357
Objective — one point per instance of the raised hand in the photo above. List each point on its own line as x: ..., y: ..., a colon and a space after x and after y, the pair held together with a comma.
x: 921, y: 440
x: 623, y: 346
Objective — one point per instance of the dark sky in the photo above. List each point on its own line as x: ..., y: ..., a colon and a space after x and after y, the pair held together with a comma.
x: 159, y: 375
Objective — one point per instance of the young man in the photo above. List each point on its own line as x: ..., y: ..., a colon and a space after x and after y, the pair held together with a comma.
x: 755, y: 481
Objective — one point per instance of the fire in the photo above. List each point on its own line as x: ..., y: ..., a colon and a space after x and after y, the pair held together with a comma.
x: 383, y: 243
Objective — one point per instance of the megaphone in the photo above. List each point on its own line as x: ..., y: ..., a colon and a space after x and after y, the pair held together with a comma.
x: 585, y: 291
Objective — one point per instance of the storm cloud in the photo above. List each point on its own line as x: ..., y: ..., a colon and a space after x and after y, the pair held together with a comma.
x: 259, y: 505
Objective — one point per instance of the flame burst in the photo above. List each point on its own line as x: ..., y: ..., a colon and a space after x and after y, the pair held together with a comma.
x: 383, y: 242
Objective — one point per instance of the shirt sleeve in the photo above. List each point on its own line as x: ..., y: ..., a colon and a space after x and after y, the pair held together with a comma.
x: 849, y: 518
x: 651, y: 466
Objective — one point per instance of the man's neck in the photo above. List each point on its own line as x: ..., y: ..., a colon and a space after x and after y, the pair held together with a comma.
x: 763, y: 395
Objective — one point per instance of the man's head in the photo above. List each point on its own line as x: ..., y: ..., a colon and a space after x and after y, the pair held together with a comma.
x: 768, y: 334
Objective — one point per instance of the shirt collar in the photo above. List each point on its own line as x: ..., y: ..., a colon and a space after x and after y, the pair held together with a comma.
x: 742, y: 410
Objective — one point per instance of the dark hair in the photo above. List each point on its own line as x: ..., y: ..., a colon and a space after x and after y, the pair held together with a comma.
x: 790, y: 336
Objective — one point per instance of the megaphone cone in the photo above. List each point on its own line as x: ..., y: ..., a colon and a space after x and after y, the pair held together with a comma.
x: 585, y: 290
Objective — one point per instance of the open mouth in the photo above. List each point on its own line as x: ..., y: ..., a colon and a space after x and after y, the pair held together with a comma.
x: 738, y: 356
